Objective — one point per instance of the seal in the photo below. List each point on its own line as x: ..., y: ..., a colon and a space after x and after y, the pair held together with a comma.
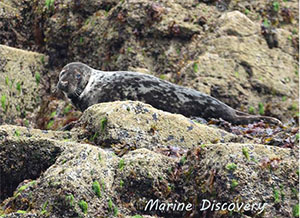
x: 85, y: 86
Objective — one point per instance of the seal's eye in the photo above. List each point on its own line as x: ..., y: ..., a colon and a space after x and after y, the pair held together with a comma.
x: 78, y: 76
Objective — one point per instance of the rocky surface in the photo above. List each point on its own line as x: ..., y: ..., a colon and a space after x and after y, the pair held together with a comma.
x: 59, y: 174
x: 117, y: 156
x: 255, y: 44
x: 128, y: 125
x: 20, y: 81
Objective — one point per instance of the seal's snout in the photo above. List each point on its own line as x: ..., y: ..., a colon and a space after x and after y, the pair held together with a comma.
x: 62, y: 85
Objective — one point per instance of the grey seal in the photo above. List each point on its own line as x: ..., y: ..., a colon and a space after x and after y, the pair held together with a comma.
x: 85, y: 86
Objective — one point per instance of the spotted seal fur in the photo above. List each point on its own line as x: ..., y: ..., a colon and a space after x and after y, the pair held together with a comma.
x: 85, y: 86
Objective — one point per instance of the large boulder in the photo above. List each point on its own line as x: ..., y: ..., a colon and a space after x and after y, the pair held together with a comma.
x: 242, y: 174
x: 239, y: 68
x: 127, y: 125
x: 21, y: 74
x: 64, y: 178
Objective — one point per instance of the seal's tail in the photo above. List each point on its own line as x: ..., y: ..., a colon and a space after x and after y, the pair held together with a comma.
x: 244, y: 118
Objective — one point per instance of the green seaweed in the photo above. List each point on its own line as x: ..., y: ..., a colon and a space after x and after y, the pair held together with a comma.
x: 17, y: 133
x: 3, y: 102
x: 96, y: 134
x: 162, y: 76
x: 67, y: 109
x: 284, y: 98
x: 50, y: 124
x: 266, y: 22
x: 83, y: 206
x: 26, y: 123
x: 70, y: 199
x: 121, y: 164
x: 261, y: 108
x: 18, y: 87
x: 103, y: 185
x: 43, y: 212
x: 294, y: 107
x: 21, y: 211
x: 121, y: 183
x: 231, y: 166
x: 110, y: 205
x: 23, y: 187
x: 37, y: 78
x: 18, y: 108
x: 53, y: 114
x: 96, y: 188
x: 195, y: 67
x: 276, y: 6
x: 183, y: 160
x: 296, y: 210
x: 129, y: 49
x: 246, y: 152
x: 81, y: 40
x: 7, y: 80
x: 43, y: 59
x: 116, y: 211
x: 49, y: 4
x: 251, y: 110
x: 234, y: 183
x: 99, y: 156
x: 276, y: 194
x: 45, y: 205
x: 103, y: 123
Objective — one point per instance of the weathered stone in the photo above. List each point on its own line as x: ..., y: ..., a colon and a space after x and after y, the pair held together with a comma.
x: 76, y: 168
x: 20, y: 77
x: 239, y: 68
x: 242, y: 173
x: 225, y: 172
x: 23, y: 158
x: 7, y: 12
x: 143, y: 175
x: 7, y: 15
x: 135, y: 125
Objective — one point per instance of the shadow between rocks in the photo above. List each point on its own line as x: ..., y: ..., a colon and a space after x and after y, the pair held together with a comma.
x: 22, y: 159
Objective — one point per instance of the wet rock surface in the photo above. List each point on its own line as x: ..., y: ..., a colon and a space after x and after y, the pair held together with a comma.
x: 115, y: 157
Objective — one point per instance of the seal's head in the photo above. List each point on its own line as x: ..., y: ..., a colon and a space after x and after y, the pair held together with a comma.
x: 73, y: 79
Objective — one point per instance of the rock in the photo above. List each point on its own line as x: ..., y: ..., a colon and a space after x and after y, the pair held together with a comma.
x: 248, y: 173
x: 239, y: 68
x: 169, y: 23
x: 18, y: 131
x: 21, y: 74
x: 23, y: 159
x: 167, y: 38
x: 59, y: 178
x: 59, y: 175
x: 7, y: 14
x: 143, y: 175
x: 60, y: 188
x: 230, y: 24
x: 129, y: 125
